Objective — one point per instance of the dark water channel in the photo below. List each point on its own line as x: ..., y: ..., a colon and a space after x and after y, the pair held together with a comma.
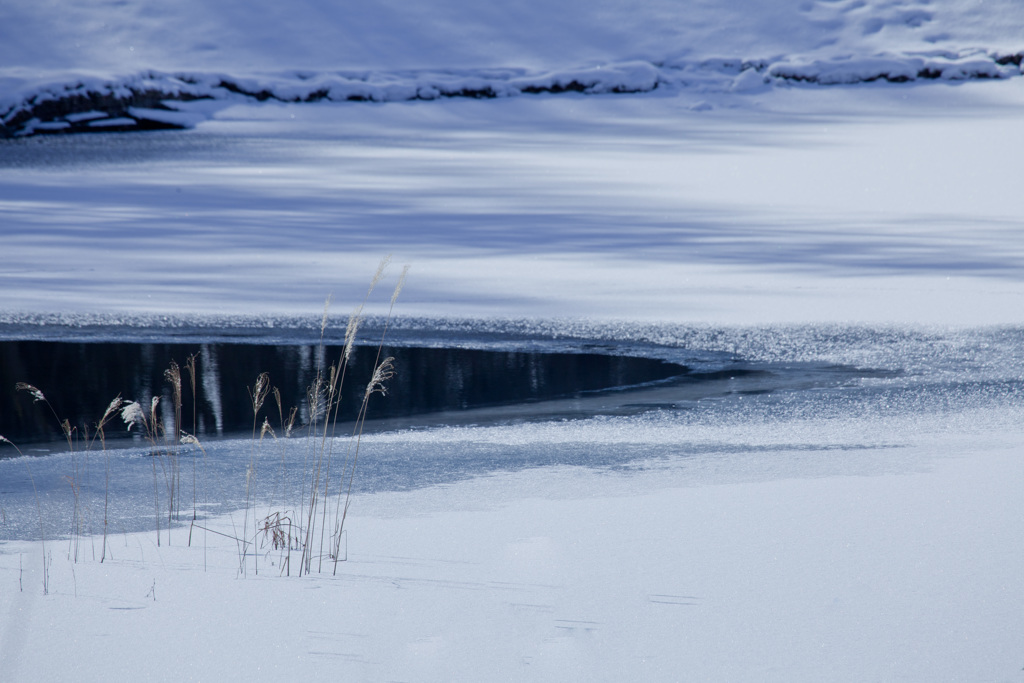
x: 79, y: 380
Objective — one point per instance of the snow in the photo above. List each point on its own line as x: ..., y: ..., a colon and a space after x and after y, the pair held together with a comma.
x: 518, y: 207
x: 558, y: 573
x: 790, y: 182
x: 391, y: 51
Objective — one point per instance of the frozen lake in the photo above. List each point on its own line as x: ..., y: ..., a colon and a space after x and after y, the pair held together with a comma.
x: 709, y: 404
x: 845, y: 484
x: 709, y: 362
x: 787, y: 206
x: 830, y: 492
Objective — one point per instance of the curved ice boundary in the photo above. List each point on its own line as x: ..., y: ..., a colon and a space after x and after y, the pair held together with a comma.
x: 158, y: 100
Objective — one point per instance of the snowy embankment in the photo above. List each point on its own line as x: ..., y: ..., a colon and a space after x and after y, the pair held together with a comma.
x: 156, y: 100
x: 98, y: 68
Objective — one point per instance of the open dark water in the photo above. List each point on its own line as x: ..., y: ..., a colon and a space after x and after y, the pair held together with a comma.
x: 79, y: 380
x: 799, y: 401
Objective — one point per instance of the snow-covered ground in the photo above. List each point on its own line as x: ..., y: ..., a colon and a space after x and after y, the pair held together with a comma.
x: 568, y: 574
x: 823, y: 183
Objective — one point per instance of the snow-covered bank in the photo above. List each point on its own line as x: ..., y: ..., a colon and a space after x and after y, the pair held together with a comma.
x: 639, y: 573
x: 153, y: 100
x: 117, y: 67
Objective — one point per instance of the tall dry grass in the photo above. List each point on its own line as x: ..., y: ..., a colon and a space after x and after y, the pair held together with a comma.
x: 313, y: 526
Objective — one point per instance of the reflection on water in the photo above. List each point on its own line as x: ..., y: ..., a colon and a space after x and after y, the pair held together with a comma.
x: 79, y: 380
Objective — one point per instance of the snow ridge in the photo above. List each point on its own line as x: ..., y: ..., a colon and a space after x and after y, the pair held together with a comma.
x: 158, y: 100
